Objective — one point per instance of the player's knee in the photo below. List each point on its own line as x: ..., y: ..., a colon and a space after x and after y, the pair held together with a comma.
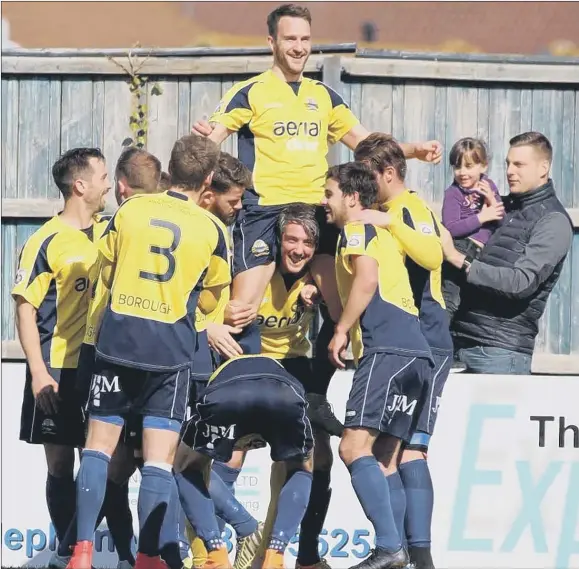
x: 354, y: 444
x: 160, y: 439
x: 103, y: 433
x: 59, y: 460
x: 387, y: 450
x: 417, y: 448
x: 411, y: 454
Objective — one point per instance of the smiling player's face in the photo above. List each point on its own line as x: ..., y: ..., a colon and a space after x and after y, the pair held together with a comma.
x: 292, y: 45
x: 297, y: 248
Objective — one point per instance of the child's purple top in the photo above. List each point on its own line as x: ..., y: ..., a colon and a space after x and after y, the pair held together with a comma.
x: 460, y: 211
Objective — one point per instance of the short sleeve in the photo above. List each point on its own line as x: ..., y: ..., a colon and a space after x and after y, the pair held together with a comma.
x: 107, y: 244
x: 234, y: 110
x: 342, y: 120
x: 218, y: 271
x: 358, y: 239
x: 34, y: 273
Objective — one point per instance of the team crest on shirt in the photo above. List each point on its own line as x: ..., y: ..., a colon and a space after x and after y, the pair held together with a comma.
x: 355, y: 240
x: 260, y: 248
x: 311, y: 105
x: 20, y: 274
x: 426, y: 228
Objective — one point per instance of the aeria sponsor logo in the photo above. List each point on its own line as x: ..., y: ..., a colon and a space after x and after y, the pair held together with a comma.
x: 292, y: 128
x: 275, y: 322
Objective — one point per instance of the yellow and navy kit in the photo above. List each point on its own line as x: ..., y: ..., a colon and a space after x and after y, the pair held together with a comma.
x: 54, y: 272
x: 283, y: 133
x: 390, y: 322
x: 163, y: 251
x: 416, y: 229
x: 283, y: 320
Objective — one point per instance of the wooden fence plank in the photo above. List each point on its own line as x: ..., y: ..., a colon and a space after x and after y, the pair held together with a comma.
x: 163, y: 119
x: 184, y: 122
x: 77, y: 113
x: 441, y: 175
x: 10, y: 125
x: 9, y: 250
x: 54, y: 135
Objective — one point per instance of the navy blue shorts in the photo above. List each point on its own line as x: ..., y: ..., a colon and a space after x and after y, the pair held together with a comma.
x: 256, y: 238
x: 386, y: 391
x: 251, y: 396
x: 430, y: 403
x: 119, y: 390
x: 67, y: 426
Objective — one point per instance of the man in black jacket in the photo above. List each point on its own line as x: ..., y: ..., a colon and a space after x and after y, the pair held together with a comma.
x: 506, y: 288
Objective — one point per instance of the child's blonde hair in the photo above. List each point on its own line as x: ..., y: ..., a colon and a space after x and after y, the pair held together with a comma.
x: 468, y: 151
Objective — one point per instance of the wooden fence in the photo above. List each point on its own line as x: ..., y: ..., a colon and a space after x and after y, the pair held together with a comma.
x: 58, y: 99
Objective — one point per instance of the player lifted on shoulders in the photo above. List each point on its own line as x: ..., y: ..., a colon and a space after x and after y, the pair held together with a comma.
x: 393, y: 358
x: 52, y: 290
x: 417, y: 231
x: 284, y: 122
x: 161, y: 256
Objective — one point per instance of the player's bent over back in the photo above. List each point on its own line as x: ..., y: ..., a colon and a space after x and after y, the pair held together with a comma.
x: 247, y: 396
x: 161, y: 256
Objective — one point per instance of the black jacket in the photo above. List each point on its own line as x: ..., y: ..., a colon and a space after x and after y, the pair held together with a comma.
x: 508, y: 285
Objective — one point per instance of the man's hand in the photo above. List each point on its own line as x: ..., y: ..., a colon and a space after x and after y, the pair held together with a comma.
x: 239, y: 314
x: 493, y: 212
x: 483, y: 187
x: 202, y: 128
x: 430, y: 151
x: 374, y: 217
x: 45, y: 391
x: 219, y: 338
x: 310, y: 295
x: 337, y: 349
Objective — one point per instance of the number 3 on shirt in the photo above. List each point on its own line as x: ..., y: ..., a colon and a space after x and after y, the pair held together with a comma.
x: 166, y: 252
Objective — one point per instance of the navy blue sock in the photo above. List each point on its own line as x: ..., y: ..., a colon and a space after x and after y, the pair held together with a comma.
x: 61, y: 502
x: 419, y: 501
x: 65, y: 546
x: 169, y: 538
x: 314, y: 518
x: 117, y: 510
x: 229, y: 476
x: 229, y: 509
x: 91, y: 485
x: 398, y: 503
x: 154, y: 495
x: 198, y: 507
x: 292, y: 505
x: 374, y: 495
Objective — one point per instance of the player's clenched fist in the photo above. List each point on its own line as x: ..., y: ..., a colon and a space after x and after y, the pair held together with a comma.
x: 202, y: 128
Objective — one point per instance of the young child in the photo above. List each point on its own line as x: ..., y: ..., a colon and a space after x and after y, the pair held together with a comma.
x: 471, y: 210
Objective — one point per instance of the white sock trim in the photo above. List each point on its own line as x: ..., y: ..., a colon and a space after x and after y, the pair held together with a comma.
x: 161, y: 465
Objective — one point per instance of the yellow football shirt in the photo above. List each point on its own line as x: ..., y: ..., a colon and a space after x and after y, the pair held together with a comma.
x: 283, y: 132
x: 390, y: 322
x: 54, y: 275
x: 415, y: 227
x: 283, y: 320
x: 164, y: 250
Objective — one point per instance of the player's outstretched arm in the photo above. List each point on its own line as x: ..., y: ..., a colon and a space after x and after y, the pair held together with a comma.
x: 214, y: 131
x: 43, y: 385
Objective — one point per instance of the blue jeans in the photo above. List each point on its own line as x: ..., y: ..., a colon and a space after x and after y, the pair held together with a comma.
x: 490, y: 360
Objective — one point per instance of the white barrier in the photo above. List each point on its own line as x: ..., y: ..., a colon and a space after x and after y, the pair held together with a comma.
x: 504, y: 459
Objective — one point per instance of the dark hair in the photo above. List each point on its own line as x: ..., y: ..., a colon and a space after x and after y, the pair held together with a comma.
x: 164, y: 182
x: 300, y: 214
x: 71, y: 165
x: 140, y: 169
x: 380, y: 151
x: 230, y: 172
x: 290, y: 10
x: 468, y: 151
x: 355, y: 177
x: 535, y: 139
x: 193, y: 158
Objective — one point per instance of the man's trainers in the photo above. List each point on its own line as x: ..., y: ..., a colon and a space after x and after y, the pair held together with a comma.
x: 217, y: 559
x: 274, y: 559
x: 81, y: 556
x: 321, y: 564
x: 321, y: 415
x: 58, y: 561
x: 382, y: 559
x: 248, y: 548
